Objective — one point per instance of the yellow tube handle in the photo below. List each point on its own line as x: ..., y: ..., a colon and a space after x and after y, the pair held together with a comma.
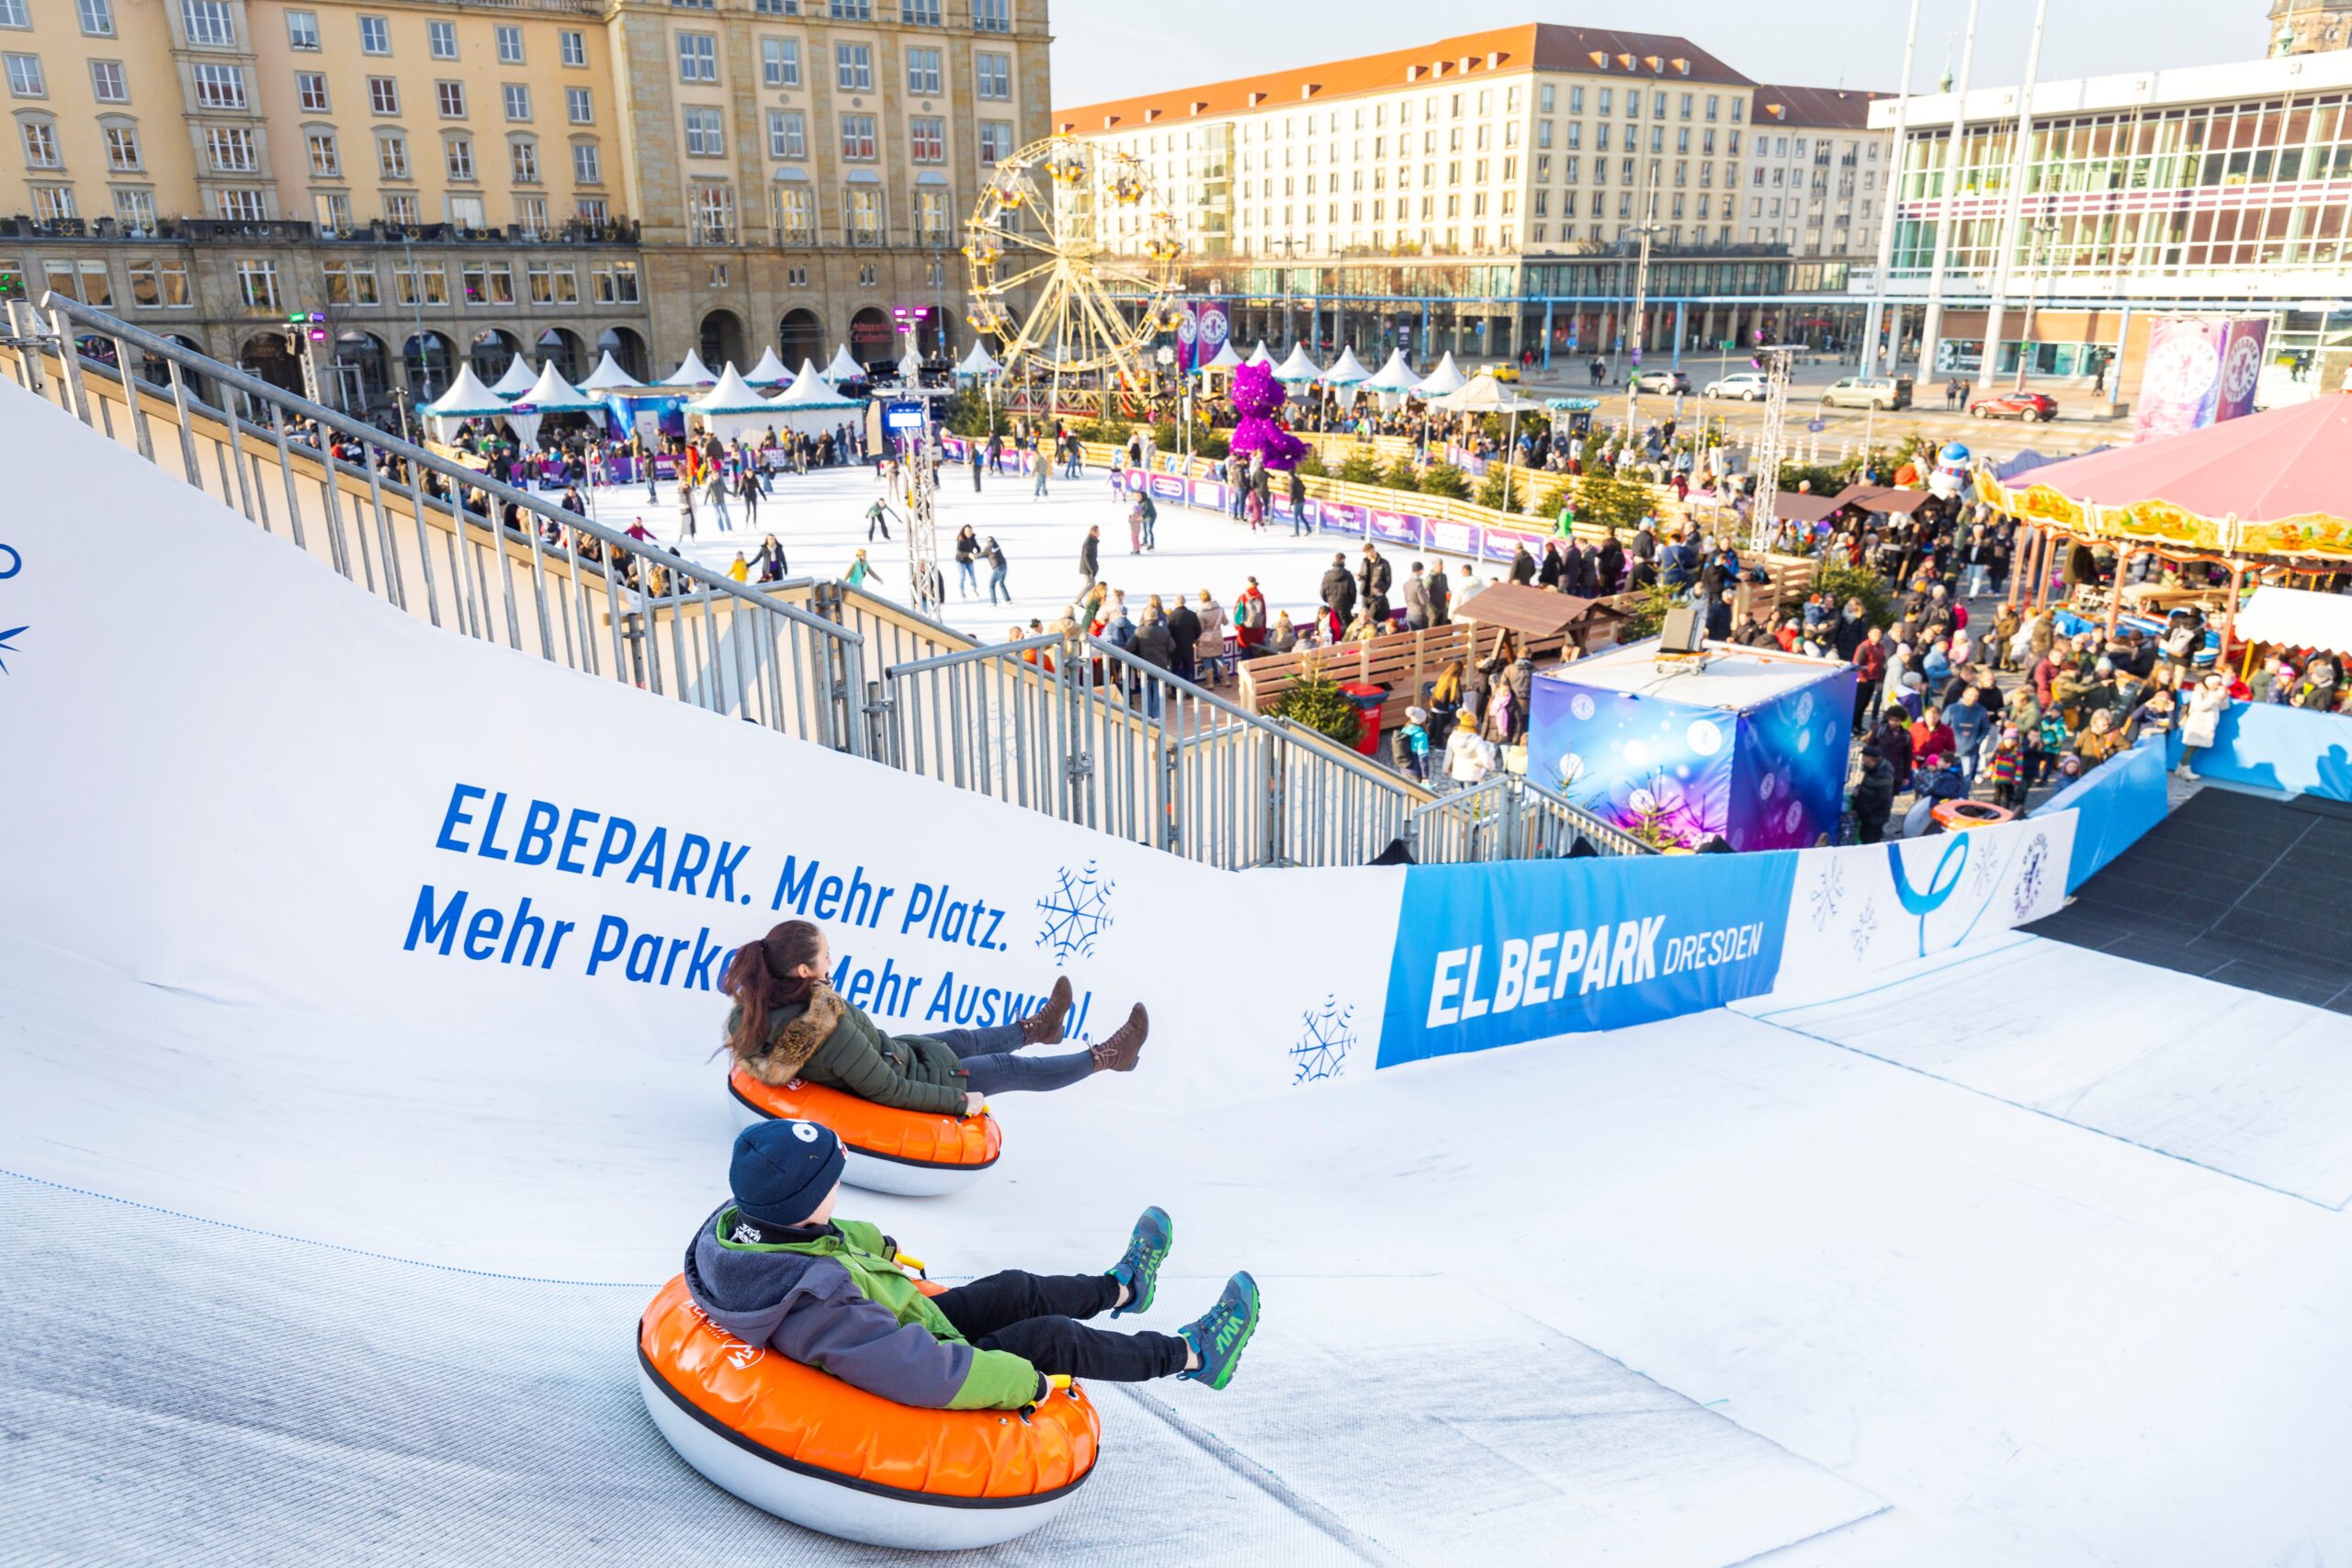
x: 910, y: 1260
x: 1059, y: 1380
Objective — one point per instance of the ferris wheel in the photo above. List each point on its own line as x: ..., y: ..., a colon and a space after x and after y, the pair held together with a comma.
x: 1076, y: 224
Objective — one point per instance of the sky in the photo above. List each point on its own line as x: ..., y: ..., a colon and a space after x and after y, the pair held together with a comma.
x: 1109, y: 49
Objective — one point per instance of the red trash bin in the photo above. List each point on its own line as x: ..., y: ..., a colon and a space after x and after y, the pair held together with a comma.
x: 1367, y: 700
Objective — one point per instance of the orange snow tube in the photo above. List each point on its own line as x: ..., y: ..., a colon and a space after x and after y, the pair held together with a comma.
x: 915, y: 1154
x: 809, y: 1447
x: 1958, y: 816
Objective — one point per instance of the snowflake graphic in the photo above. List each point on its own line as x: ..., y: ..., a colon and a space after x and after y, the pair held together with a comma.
x: 1077, y: 910
x: 1828, y: 891
x: 1987, y: 872
x: 2031, y: 871
x: 1323, y: 1045
x: 8, y: 646
x: 1865, y: 927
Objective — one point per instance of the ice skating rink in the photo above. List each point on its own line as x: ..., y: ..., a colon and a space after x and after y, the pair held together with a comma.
x: 320, y: 1248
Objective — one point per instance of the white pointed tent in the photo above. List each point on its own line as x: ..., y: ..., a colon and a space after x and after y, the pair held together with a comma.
x: 1258, y: 355
x: 980, y: 362
x: 769, y: 372
x: 607, y: 376
x: 1347, y: 370
x: 517, y: 380
x: 1228, y: 358
x: 691, y: 372
x: 1396, y: 376
x: 733, y: 407
x: 1446, y: 378
x: 1482, y: 394
x: 549, y: 394
x: 844, y: 368
x: 1298, y: 367
x: 811, y: 406
x: 466, y: 398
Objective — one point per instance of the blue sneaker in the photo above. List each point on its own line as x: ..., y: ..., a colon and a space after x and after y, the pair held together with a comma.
x: 1138, y: 1267
x: 1219, y: 1335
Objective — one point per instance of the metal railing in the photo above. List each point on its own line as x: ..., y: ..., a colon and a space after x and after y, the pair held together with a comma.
x: 1091, y: 734
x: 1510, y: 818
x: 446, y: 543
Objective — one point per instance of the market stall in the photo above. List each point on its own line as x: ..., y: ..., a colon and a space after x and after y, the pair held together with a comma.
x: 811, y: 407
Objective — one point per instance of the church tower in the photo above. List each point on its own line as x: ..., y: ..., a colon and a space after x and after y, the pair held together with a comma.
x: 2308, y: 27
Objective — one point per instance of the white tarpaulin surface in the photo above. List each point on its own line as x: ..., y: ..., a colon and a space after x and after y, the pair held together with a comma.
x: 2297, y: 617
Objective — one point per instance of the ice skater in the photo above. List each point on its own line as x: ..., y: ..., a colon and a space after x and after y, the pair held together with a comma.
x: 772, y: 1267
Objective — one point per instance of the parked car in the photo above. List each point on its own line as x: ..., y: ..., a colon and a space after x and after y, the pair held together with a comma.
x: 1666, y: 381
x: 1747, y: 386
x: 1868, y: 392
x: 1505, y: 370
x: 2016, y: 405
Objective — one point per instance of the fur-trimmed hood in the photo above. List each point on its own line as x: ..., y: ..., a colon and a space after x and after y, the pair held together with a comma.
x: 795, y: 1032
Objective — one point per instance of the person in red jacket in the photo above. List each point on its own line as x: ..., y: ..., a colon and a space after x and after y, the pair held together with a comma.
x: 1930, y: 734
x: 1869, y: 668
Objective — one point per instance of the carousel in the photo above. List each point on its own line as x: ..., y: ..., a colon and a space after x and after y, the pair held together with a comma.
x: 2266, y: 499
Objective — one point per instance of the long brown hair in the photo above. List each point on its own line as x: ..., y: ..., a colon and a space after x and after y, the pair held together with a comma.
x: 759, y: 977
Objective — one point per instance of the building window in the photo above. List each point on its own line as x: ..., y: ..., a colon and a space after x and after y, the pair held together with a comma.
x: 311, y: 91
x: 54, y: 203
x: 717, y: 274
x: 87, y: 281
x: 257, y: 284
x: 400, y: 206
x: 441, y: 40
x: 531, y: 215
x: 922, y: 73
x: 927, y: 139
x: 850, y: 10
x: 796, y: 214
x: 13, y: 15
x: 994, y: 73
x: 122, y: 150
x: 488, y: 283
x: 24, y: 78
x: 552, y: 285
x: 375, y: 36
x: 334, y: 209
x: 517, y: 99
x: 587, y: 166
x: 510, y: 46
x: 230, y: 149
x: 575, y: 48
x: 107, y: 83
x: 384, y: 95
x: 523, y: 158
x: 578, y: 108
x: 780, y: 62
x: 352, y: 283
x: 160, y: 283
x: 40, y: 145
x: 220, y: 87
x: 704, y: 136
x: 788, y: 134
x: 134, y: 208
x: 211, y: 24
x: 853, y: 67
x: 996, y: 141
x: 616, y: 283
x: 919, y: 13
x: 420, y: 285
x: 931, y: 215
x: 97, y: 17
x: 868, y: 276
x: 697, y: 57
x: 796, y: 278
x: 992, y: 16
x: 391, y: 155
x: 714, y: 214
x: 865, y: 215
x: 325, y: 161
x: 457, y: 156
x: 451, y: 96
x: 857, y: 136
x: 776, y: 8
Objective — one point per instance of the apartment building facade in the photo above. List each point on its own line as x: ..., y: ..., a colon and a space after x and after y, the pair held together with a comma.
x: 1485, y: 194
x: 472, y: 179
x: 1818, y: 179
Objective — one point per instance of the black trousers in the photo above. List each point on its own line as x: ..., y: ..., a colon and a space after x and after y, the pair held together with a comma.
x: 1035, y: 1317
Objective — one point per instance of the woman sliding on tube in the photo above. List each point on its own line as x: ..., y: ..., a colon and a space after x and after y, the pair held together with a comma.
x: 788, y: 1023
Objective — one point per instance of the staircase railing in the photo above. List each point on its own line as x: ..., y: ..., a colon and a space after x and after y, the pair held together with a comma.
x: 1510, y: 818
x: 447, y: 543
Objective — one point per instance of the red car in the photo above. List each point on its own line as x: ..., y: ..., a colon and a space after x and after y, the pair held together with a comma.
x: 2016, y: 405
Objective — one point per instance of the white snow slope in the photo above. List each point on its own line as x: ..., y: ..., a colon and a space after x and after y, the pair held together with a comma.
x: 2003, y: 1263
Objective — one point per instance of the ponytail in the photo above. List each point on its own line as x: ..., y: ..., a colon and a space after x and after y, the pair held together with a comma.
x: 760, y: 979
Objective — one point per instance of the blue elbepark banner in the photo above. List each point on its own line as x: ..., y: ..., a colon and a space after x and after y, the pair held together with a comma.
x: 1491, y: 955
x: 2113, y: 804
x: 2298, y: 751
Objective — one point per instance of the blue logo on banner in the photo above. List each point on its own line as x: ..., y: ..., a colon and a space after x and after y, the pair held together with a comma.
x: 1493, y: 955
x: 1923, y: 902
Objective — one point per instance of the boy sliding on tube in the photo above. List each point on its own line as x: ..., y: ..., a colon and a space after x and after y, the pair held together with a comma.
x: 772, y: 1267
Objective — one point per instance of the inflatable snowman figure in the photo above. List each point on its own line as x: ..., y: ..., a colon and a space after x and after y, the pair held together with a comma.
x: 1949, y: 478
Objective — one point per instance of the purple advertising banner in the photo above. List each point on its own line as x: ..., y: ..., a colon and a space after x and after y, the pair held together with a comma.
x: 2180, y: 382
x: 1453, y: 538
x: 1334, y: 517
x: 1188, y: 336
x: 1209, y: 335
x: 1502, y: 544
x: 1278, y: 509
x: 2241, y: 366
x: 1165, y: 487
x: 1397, y: 528
x: 1207, y: 492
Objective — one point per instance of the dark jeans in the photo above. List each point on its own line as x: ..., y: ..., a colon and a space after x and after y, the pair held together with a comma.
x: 1035, y: 1317
x: 991, y: 1064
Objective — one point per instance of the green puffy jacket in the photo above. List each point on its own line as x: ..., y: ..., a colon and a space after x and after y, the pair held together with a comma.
x: 827, y: 1041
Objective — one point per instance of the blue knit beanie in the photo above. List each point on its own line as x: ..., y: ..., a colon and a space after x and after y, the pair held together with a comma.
x: 782, y: 1170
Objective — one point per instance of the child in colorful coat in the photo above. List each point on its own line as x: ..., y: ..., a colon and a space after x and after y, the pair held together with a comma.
x: 770, y: 1266
x: 2006, y: 769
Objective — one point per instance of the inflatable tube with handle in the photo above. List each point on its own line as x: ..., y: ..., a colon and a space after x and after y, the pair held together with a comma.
x: 914, y: 1154
x: 809, y: 1447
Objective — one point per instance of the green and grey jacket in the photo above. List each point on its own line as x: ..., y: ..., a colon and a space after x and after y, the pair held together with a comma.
x: 826, y: 1041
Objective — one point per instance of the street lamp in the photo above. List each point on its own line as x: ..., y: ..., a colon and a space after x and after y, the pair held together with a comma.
x: 1641, y: 315
x: 2045, y: 232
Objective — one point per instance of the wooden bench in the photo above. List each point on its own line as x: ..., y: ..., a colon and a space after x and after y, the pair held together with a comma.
x: 1402, y: 661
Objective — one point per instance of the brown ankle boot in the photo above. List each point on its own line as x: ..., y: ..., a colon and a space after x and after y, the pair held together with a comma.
x: 1118, y: 1052
x: 1044, y: 1027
